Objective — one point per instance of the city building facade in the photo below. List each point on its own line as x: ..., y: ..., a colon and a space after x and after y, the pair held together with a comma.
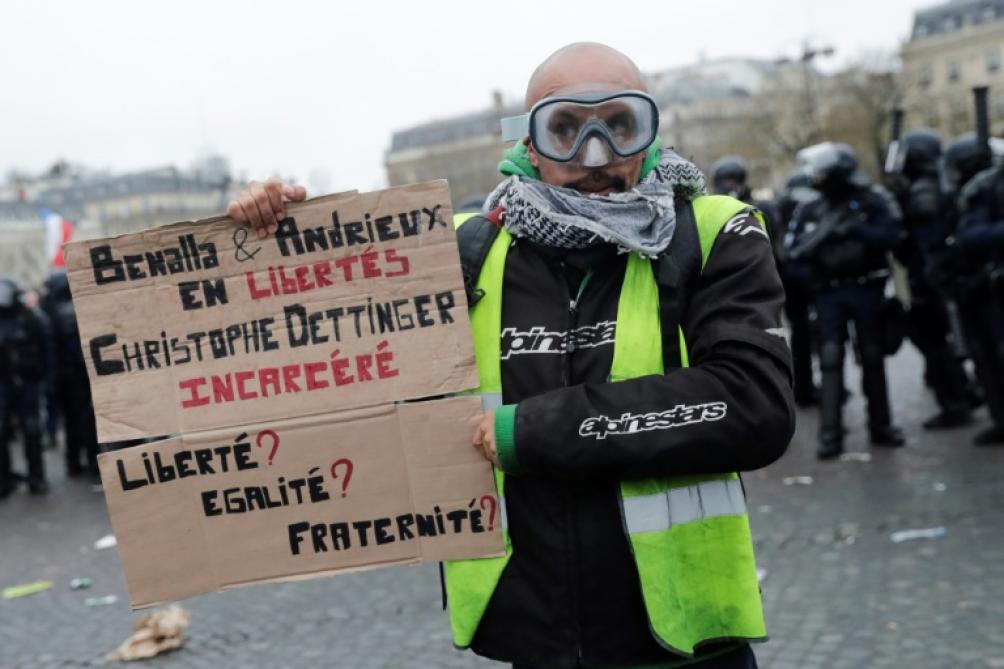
x: 102, y: 204
x: 465, y: 150
x: 952, y: 48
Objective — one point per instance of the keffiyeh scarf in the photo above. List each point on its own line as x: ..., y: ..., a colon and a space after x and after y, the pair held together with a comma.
x: 640, y: 220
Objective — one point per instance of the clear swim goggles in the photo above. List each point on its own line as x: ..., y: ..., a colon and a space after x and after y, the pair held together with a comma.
x: 585, y: 127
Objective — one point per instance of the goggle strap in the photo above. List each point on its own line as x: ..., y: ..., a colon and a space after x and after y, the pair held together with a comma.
x: 515, y: 128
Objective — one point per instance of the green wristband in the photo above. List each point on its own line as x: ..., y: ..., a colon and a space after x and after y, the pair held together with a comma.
x: 505, y: 437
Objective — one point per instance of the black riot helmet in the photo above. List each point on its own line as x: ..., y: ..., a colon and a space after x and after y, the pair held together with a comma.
x: 798, y: 179
x: 921, y: 149
x: 964, y: 157
x: 830, y: 165
x: 799, y: 187
x: 10, y: 293
x: 731, y: 168
x: 728, y: 177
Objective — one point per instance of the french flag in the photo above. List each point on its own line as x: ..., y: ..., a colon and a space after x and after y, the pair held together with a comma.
x: 58, y: 231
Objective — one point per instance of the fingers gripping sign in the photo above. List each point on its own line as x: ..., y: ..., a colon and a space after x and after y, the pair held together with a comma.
x: 262, y: 205
x: 484, y: 438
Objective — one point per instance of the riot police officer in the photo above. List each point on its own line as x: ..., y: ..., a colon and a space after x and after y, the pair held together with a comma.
x: 798, y: 300
x: 927, y: 223
x: 844, y: 236
x: 69, y: 377
x: 23, y: 335
x: 979, y: 247
x: 729, y: 177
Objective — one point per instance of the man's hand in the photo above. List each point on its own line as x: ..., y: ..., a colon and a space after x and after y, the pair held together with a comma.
x: 484, y: 438
x: 262, y: 205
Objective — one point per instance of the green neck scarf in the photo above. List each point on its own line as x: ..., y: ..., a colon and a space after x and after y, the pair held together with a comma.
x: 516, y: 160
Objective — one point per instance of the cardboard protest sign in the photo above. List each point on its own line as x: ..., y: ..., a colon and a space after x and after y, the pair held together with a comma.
x: 280, y: 367
x: 357, y: 299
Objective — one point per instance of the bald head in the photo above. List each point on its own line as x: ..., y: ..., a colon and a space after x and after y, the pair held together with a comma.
x: 583, y: 66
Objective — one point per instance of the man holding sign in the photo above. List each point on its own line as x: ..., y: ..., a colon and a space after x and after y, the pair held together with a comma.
x: 630, y: 357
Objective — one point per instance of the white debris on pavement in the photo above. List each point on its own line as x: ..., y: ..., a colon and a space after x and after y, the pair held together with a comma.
x: 856, y: 456
x: 910, y: 535
x: 155, y: 633
x: 107, y: 541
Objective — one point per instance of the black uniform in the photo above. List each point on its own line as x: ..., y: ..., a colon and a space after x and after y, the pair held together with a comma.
x: 69, y: 378
x: 570, y: 595
x: 979, y: 241
x: 844, y: 236
x: 795, y: 277
x: 23, y: 358
x: 927, y: 222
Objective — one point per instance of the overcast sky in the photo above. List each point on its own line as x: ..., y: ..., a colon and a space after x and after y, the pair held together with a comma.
x: 314, y: 89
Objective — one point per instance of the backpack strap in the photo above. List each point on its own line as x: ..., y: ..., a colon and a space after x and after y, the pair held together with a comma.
x: 676, y: 271
x: 474, y: 240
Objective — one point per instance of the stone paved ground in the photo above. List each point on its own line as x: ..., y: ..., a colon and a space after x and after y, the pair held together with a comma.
x: 838, y: 593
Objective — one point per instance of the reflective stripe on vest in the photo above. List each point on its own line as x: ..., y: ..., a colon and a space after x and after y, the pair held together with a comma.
x: 677, y: 506
x: 503, y: 514
x: 490, y: 401
x: 689, y: 535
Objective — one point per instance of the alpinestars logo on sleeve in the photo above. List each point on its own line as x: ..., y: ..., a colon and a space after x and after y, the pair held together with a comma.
x: 743, y: 224
x: 539, y: 340
x: 680, y: 415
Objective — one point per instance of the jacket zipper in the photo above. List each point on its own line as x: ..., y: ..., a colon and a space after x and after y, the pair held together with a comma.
x: 573, y: 319
x: 566, y: 357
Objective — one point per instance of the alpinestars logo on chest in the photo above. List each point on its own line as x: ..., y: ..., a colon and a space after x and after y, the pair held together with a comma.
x: 539, y: 340
x: 680, y: 415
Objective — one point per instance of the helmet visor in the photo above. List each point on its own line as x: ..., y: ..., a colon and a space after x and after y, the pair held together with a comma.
x: 559, y: 127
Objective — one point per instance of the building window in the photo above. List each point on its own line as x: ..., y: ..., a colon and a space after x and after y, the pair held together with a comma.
x: 925, y: 74
x: 953, y: 70
x: 993, y: 59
